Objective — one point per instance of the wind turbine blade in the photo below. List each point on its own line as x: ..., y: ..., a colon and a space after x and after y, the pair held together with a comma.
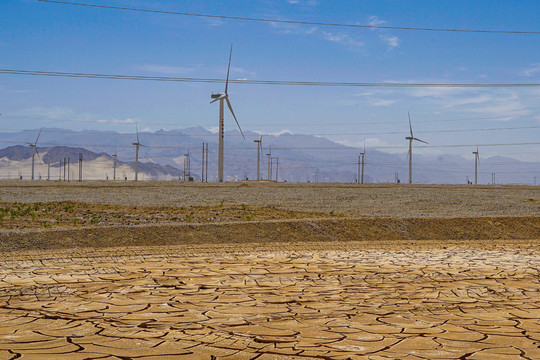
x: 228, y: 69
x: 39, y: 133
x: 425, y: 142
x: 137, y: 130
x: 234, y: 116
x: 410, y: 126
x: 37, y: 153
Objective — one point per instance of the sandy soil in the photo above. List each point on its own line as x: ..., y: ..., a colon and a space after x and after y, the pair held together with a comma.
x: 349, y: 199
x: 326, y: 271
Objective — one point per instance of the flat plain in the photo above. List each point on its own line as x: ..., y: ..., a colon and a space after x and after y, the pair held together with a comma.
x: 171, y: 270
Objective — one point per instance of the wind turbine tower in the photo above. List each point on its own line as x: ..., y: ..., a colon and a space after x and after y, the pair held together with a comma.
x: 411, y: 139
x: 363, y: 155
x: 137, y: 144
x: 115, y: 159
x: 259, y: 149
x: 34, y: 152
x: 476, y: 162
x: 222, y: 97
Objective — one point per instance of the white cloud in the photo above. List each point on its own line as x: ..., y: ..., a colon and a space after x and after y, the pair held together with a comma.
x: 534, y: 69
x: 118, y: 121
x: 391, y: 41
x: 56, y: 112
x: 277, y: 133
x: 303, y: 2
x: 480, y: 99
x: 382, y: 102
x: 437, y: 92
x: 375, y: 21
x: 164, y: 69
x: 502, y: 105
x: 343, y: 39
x: 335, y: 37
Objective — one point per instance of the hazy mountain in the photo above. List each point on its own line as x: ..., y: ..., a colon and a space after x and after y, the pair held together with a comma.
x: 300, y: 157
x: 16, y: 161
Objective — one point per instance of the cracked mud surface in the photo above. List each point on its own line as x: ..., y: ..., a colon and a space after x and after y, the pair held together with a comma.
x: 320, y: 271
x: 340, y: 300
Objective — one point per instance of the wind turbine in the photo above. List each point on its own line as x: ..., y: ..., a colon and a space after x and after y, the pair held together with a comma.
x: 34, y: 152
x: 411, y: 138
x: 137, y: 144
x: 259, y: 149
x: 224, y: 97
x: 115, y: 159
x: 363, y: 154
x: 476, y: 163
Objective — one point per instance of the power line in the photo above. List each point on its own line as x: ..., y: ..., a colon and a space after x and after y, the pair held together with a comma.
x: 97, y: 132
x: 523, y: 32
x: 384, y: 123
x: 293, y: 148
x: 264, y: 82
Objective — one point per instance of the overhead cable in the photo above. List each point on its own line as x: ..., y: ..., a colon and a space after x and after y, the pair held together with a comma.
x: 264, y: 82
x: 281, y: 21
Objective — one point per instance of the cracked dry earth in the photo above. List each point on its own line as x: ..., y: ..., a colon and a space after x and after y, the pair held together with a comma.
x: 325, y: 301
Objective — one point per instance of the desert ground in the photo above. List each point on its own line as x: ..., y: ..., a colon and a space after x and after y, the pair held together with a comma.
x: 170, y: 270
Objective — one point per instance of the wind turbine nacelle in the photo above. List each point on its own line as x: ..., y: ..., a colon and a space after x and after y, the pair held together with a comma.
x: 216, y: 96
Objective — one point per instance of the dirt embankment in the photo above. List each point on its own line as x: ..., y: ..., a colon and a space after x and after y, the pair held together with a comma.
x: 284, y: 231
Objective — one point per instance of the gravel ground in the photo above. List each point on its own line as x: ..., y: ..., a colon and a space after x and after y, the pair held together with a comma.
x: 350, y: 199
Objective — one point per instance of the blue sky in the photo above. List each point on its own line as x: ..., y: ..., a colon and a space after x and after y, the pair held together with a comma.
x: 51, y: 37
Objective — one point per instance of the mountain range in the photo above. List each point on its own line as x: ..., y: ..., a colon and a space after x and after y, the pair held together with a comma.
x: 294, y: 157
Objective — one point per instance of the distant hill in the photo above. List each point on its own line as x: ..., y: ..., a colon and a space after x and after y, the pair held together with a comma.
x: 301, y: 157
x: 95, y: 165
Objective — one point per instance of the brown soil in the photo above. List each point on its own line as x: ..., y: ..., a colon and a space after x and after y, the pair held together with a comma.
x: 268, y: 271
x: 69, y: 214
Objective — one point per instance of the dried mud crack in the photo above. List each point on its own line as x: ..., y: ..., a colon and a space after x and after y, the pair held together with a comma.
x: 245, y: 281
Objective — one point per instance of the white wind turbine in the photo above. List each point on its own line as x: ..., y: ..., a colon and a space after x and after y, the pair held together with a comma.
x: 224, y: 97
x: 411, y: 138
x: 34, y: 152
x: 259, y: 149
x: 137, y: 144
x: 476, y: 163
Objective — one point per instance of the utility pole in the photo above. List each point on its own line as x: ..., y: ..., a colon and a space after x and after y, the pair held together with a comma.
x: 493, y: 178
x: 65, y: 161
x: 69, y: 163
x: 202, y: 168
x: 187, y: 164
x: 48, y: 167
x: 363, y: 154
x: 316, y: 175
x: 277, y: 168
x: 476, y: 158
x: 259, y: 148
x: 60, y: 169
x: 358, y: 166
x: 269, y: 157
x: 115, y: 159
x: 80, y: 166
